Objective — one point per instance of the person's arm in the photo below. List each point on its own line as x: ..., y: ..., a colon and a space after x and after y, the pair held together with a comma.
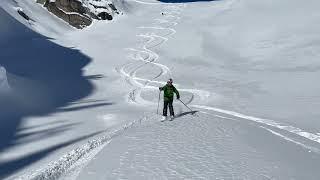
x: 162, y: 88
x: 177, y: 92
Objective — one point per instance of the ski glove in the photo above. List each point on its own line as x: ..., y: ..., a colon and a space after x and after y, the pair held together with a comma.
x: 160, y: 88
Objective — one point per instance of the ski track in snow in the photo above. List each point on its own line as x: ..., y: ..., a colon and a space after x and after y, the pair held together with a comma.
x: 142, y: 57
x: 293, y: 141
x: 151, y: 57
x: 159, y: 33
x: 198, y: 148
x: 271, y: 123
x: 73, y: 161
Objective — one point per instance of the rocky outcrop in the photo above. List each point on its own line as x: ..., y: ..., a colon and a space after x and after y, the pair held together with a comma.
x: 77, y: 20
x: 70, y: 6
x: 26, y: 17
x: 105, y: 16
x: 80, y: 13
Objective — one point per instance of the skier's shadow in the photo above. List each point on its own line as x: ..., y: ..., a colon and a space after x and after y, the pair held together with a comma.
x: 186, y: 113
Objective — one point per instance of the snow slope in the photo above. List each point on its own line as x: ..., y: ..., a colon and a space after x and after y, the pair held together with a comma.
x: 248, y: 67
x: 225, y: 142
x: 41, y: 20
x: 55, y: 105
x: 201, y: 147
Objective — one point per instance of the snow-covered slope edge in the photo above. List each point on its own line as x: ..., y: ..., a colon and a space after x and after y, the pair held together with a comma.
x: 35, y: 17
x: 81, y: 154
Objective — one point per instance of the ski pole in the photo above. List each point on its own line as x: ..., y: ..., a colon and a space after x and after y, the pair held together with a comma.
x: 158, y: 102
x: 185, y: 105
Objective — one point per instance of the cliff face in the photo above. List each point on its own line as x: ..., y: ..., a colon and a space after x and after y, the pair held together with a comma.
x: 80, y: 13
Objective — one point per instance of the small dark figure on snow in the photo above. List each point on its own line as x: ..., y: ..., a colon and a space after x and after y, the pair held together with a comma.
x: 169, y: 91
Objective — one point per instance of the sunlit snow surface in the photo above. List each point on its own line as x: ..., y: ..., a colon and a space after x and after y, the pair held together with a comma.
x: 201, y: 147
x: 250, y: 68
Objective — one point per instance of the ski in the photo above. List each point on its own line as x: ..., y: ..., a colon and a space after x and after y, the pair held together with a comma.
x: 168, y: 119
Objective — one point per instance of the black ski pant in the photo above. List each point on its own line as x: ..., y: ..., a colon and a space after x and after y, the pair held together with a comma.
x: 165, y: 107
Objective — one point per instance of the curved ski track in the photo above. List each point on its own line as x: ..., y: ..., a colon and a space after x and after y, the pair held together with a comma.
x: 145, y: 56
x: 158, y: 35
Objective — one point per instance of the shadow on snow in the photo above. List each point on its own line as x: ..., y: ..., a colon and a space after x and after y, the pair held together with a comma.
x: 44, y: 77
x: 186, y: 113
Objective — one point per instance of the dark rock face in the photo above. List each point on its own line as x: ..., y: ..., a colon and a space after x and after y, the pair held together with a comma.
x: 113, y: 8
x: 41, y: 1
x: 79, y: 13
x: 70, y: 6
x: 105, y: 16
x: 23, y: 14
x: 77, y: 20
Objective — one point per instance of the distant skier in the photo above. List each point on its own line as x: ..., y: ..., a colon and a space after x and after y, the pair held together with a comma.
x: 169, y: 91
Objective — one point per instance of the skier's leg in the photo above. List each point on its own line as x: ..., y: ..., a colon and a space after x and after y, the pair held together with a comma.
x: 165, y: 108
x: 171, y: 108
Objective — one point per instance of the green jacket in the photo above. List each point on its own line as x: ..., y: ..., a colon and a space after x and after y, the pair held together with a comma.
x: 168, y: 92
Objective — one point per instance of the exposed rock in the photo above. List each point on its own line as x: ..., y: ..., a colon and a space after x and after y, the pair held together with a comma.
x: 113, y: 8
x: 97, y: 6
x: 76, y: 20
x: 70, y: 6
x: 80, y: 13
x: 105, y: 16
x: 41, y: 1
x: 23, y: 14
x: 79, y: 21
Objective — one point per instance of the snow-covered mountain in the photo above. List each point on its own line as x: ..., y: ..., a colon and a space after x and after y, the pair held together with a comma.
x: 82, y: 103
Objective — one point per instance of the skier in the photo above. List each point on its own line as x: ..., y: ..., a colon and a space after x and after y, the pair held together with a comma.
x: 168, y: 90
